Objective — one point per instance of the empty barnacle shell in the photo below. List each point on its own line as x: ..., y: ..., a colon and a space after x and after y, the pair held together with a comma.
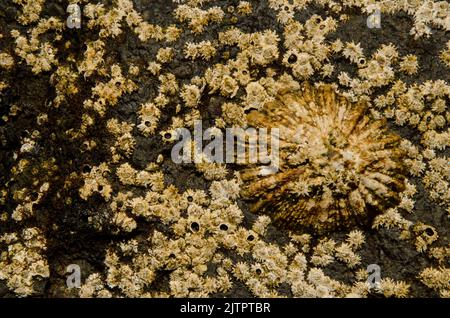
x: 337, y: 167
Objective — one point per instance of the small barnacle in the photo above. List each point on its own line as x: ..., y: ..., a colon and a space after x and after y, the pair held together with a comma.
x: 124, y: 222
x: 337, y: 46
x: 440, y: 253
x: 361, y: 274
x: 149, y: 118
x: 303, y: 241
x: 261, y: 224
x: 355, y: 239
x: 155, y: 179
x: 392, y: 218
x: 293, y: 34
x: 165, y: 55
x: 445, y: 55
x: 345, y: 254
x: 415, y: 166
x: 126, y: 174
x: 234, y: 115
x: 290, y: 249
x: 212, y: 170
x: 133, y: 70
x: 64, y: 80
x: 229, y: 86
x: 3, y: 85
x: 168, y: 135
x: 94, y: 287
x: 95, y: 181
x: 406, y: 203
x: 285, y: 14
x: 241, y: 271
x: 191, y: 95
x: 391, y: 288
x: 257, y: 269
x: 439, y: 106
x: 6, y: 61
x: 242, y: 74
x: 154, y: 68
x: 401, y: 117
x: 317, y: 28
x: 353, y: 52
x: 197, y: 17
x: 425, y: 236
x: 204, y: 49
x: 301, y: 63
x: 437, y: 279
x: 327, y: 70
x: 361, y: 62
x: 190, y: 118
x: 409, y: 64
x: 220, y: 123
x: 351, y: 163
x: 323, y: 253
x: 262, y: 47
x: 93, y: 58
x: 256, y: 96
x: 169, y: 86
x: 323, y: 286
x: 3, y: 217
x: 376, y: 73
x: 244, y: 8
x: 162, y: 100
x: 344, y: 79
x: 386, y: 54
x: 196, y: 197
x: 172, y: 33
x: 398, y: 88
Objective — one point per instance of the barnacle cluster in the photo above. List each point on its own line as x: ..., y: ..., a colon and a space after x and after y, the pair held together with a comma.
x: 89, y: 116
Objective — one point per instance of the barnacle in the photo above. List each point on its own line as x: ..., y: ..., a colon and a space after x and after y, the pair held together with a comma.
x: 165, y: 55
x: 426, y: 235
x: 409, y: 64
x: 390, y: 288
x: 445, y: 55
x: 6, y: 61
x: 437, y: 279
x: 30, y: 10
x: 204, y: 49
x: 338, y: 166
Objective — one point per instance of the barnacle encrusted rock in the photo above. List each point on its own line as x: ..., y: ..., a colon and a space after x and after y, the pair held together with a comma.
x: 338, y: 167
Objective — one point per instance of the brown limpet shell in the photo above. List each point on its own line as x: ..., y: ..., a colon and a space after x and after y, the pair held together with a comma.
x: 338, y: 166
